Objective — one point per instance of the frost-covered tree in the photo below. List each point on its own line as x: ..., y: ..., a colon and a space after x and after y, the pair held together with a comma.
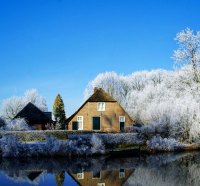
x: 189, y: 50
x: 167, y: 101
x: 59, y: 112
x: 33, y: 96
x: 116, y: 85
x: 11, y: 106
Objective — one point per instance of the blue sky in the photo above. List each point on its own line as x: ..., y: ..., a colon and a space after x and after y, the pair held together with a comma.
x: 58, y: 46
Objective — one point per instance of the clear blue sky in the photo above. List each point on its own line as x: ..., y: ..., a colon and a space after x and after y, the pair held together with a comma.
x: 58, y: 46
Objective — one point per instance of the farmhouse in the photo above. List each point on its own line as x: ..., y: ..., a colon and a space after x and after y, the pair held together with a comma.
x: 34, y: 116
x: 100, y: 112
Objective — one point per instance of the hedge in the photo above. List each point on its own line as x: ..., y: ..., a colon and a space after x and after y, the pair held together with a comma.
x: 36, y: 135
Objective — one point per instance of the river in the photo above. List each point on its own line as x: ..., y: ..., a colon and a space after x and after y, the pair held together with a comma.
x: 168, y: 169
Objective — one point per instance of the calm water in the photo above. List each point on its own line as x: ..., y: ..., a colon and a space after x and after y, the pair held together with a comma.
x: 180, y: 169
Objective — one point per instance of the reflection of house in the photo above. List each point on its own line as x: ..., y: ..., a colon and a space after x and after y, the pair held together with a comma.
x: 103, y: 178
x: 34, y: 116
x: 100, y: 112
x: 34, y: 175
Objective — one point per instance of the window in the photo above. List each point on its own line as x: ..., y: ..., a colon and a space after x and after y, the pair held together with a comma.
x: 101, y: 184
x: 121, y: 173
x: 121, y: 123
x: 80, y: 122
x: 80, y: 176
x: 101, y: 106
x: 96, y: 175
x: 121, y: 118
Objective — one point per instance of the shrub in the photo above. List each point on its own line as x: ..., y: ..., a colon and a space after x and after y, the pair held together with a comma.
x: 158, y: 143
x: 35, y: 135
x: 97, y: 145
x: 17, y: 125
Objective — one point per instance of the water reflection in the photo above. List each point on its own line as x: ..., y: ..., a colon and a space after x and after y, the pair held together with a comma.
x: 146, y: 170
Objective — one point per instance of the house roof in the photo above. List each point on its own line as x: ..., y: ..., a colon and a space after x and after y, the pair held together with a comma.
x: 99, y: 95
x: 33, y: 114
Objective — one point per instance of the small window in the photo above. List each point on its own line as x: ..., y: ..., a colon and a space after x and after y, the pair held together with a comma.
x: 101, y: 184
x: 80, y: 176
x: 96, y: 175
x: 121, y: 173
x: 121, y: 118
x: 122, y: 123
x: 101, y: 106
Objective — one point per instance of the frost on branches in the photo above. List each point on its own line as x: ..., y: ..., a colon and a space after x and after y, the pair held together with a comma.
x: 13, y: 105
x: 163, y: 144
x: 162, y: 99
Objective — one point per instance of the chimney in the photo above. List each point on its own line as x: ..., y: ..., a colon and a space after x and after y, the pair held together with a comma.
x: 95, y: 89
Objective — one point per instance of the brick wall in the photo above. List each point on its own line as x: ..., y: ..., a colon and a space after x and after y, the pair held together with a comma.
x: 109, y: 118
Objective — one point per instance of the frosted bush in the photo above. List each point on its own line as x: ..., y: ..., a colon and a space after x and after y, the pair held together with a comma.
x: 17, y: 125
x: 9, y: 146
x: 97, y: 145
x: 163, y: 144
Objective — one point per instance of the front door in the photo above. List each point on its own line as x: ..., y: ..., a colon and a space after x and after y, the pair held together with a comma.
x: 80, y: 122
x: 96, y: 122
x: 74, y: 125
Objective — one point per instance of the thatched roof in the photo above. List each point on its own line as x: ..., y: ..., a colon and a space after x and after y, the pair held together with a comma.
x: 33, y: 115
x: 99, y: 95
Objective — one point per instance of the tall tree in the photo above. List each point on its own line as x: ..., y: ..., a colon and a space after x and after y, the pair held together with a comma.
x: 189, y: 51
x: 59, y: 112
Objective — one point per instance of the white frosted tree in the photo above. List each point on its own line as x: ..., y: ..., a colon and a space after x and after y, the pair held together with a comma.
x: 112, y: 83
x: 33, y: 96
x: 11, y: 106
x: 189, y: 50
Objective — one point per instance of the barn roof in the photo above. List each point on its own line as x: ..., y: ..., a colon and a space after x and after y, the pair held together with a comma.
x: 99, y: 95
x: 33, y: 114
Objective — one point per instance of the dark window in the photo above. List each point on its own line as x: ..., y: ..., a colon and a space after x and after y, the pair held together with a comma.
x: 96, y: 123
x: 96, y: 175
x: 75, y: 125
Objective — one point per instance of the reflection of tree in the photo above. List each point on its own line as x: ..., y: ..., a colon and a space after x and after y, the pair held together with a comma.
x: 60, y: 178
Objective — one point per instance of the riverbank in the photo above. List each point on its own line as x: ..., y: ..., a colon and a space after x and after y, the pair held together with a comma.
x: 89, y: 145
